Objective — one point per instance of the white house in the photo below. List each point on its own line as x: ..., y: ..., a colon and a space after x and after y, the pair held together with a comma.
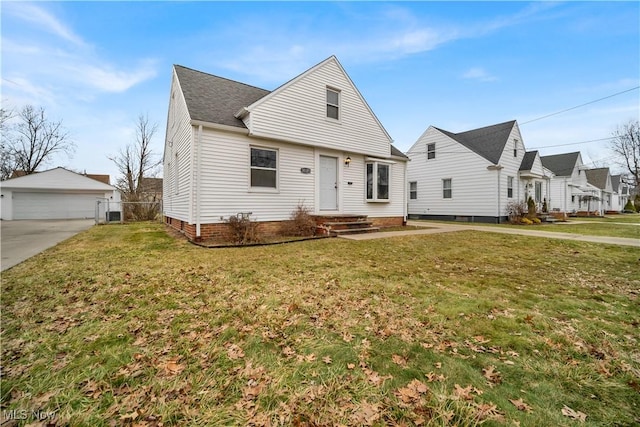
x: 570, y: 191
x: 620, y: 195
x: 600, y: 178
x: 232, y: 148
x: 56, y: 194
x: 473, y: 175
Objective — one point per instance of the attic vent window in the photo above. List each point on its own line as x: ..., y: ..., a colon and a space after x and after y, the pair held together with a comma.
x: 333, y: 104
x: 515, y: 148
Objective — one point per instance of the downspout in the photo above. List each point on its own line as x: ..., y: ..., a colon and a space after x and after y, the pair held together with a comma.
x: 499, y: 193
x: 405, y: 207
x: 198, y: 185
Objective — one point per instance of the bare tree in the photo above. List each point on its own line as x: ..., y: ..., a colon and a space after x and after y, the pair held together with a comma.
x: 33, y: 140
x: 135, y: 162
x: 7, y: 164
x: 626, y: 146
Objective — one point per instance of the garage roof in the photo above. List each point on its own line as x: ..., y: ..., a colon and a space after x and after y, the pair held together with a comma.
x: 57, y: 179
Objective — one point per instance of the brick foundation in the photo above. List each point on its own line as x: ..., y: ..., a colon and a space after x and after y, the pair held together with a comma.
x: 393, y: 221
x: 220, y: 231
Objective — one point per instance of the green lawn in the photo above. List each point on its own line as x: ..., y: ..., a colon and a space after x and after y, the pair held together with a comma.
x: 124, y: 325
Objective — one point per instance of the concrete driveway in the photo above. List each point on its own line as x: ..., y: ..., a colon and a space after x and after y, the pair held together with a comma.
x: 25, y: 238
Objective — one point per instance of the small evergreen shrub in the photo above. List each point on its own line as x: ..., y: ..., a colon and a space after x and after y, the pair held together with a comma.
x: 545, y: 207
x: 531, y: 207
x: 629, y: 206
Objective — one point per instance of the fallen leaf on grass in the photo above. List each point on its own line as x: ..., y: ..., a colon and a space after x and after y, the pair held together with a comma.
x: 172, y: 367
x: 366, y: 414
x: 520, y: 405
x: 486, y: 411
x: 327, y: 360
x: 234, y: 352
x: 576, y: 415
x: 465, y: 392
x: 492, y: 375
x: 399, y: 360
x: 351, y: 366
x: 414, y: 389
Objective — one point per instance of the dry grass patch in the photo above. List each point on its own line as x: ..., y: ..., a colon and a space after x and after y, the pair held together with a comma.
x: 125, y: 325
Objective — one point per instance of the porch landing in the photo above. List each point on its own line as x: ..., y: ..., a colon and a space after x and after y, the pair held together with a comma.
x: 343, y: 224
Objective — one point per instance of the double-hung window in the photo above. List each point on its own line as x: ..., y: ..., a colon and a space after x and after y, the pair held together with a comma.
x: 333, y: 104
x: 510, y: 187
x: 413, y: 190
x: 264, y: 168
x: 538, y: 189
x: 431, y: 151
x: 447, y: 192
x: 378, y: 181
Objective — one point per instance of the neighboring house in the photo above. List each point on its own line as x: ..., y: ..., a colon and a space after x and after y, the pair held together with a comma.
x: 232, y: 149
x: 600, y: 178
x: 570, y: 191
x: 473, y: 175
x: 620, y: 195
x: 56, y: 194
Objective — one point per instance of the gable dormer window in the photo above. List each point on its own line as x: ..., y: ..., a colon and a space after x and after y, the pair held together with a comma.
x: 333, y: 103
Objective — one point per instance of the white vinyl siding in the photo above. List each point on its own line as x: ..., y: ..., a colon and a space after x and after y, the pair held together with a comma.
x: 297, y: 113
x: 180, y: 138
x: 226, y: 188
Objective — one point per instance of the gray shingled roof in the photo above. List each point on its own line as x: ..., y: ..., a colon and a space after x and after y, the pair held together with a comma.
x: 561, y: 164
x: 615, y: 182
x: 527, y: 160
x: 598, y: 177
x: 489, y: 141
x: 215, y: 99
x: 396, y: 152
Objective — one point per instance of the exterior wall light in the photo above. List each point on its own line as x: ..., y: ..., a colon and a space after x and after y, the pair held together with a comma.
x: 347, y: 161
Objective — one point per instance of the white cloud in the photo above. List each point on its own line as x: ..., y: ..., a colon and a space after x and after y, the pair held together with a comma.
x: 43, y: 20
x: 46, y: 70
x: 480, y: 74
x: 391, y: 33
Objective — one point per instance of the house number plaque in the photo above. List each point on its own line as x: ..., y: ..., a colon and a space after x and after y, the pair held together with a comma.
x: 305, y: 171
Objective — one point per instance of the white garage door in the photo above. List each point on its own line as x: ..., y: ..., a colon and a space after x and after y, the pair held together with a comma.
x: 53, y: 205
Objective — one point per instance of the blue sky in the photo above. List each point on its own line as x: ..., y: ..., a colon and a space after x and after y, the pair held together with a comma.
x: 455, y: 65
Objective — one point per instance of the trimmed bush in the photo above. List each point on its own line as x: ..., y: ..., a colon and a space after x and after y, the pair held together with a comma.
x: 300, y: 223
x: 515, y: 211
x: 242, y: 230
x: 531, y: 207
x: 525, y: 221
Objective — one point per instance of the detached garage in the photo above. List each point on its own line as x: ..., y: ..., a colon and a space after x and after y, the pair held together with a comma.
x: 54, y: 194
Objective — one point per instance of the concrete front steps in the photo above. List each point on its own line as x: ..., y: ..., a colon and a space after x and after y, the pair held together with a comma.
x: 338, y: 225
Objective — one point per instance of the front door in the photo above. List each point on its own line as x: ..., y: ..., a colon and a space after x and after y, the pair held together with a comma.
x: 328, y: 183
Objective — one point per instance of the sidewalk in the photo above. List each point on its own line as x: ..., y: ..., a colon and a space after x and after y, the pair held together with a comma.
x: 436, y: 227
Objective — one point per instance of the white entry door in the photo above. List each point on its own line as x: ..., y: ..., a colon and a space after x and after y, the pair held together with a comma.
x: 328, y: 183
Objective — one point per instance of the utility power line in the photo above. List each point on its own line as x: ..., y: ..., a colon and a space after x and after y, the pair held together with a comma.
x: 581, y: 105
